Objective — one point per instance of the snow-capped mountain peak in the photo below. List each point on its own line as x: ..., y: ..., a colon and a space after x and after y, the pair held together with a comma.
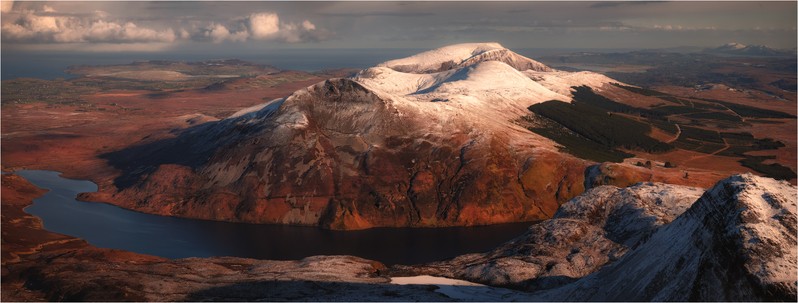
x: 479, y: 79
x: 344, y: 143
x: 734, y: 45
x: 735, y: 48
x: 461, y: 55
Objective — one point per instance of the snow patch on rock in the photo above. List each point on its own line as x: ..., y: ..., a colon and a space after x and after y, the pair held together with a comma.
x: 260, y: 109
x: 561, y: 82
x: 462, y: 290
x: 444, y: 58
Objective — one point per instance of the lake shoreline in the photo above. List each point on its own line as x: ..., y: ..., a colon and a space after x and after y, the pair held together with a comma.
x: 52, y: 267
x: 109, y: 226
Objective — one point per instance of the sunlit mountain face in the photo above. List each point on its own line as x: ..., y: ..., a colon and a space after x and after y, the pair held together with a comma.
x: 398, y: 151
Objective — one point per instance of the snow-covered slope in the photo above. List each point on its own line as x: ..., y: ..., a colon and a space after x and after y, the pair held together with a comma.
x: 481, y: 70
x: 490, y: 89
x: 462, y: 290
x: 587, y: 232
x: 561, y: 82
x: 630, y: 214
x: 651, y: 242
x: 460, y: 55
x: 473, y: 80
x: 736, y: 243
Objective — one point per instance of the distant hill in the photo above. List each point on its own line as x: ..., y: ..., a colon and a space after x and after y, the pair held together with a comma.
x: 748, y: 50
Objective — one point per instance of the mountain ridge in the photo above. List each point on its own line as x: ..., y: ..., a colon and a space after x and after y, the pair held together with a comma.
x: 381, y: 148
x: 734, y: 48
x: 726, y: 246
x: 462, y: 55
x: 650, y: 242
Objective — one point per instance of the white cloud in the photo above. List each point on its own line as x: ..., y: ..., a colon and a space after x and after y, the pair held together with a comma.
x: 16, y: 31
x: 219, y: 33
x: 308, y: 26
x: 291, y: 33
x: 6, y: 6
x: 184, y: 34
x: 101, y: 14
x: 45, y: 24
x: 669, y: 27
x: 131, y: 32
x: 32, y: 27
x: 264, y: 25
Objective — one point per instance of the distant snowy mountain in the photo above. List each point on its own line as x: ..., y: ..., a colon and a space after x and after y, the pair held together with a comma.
x: 403, y: 143
x: 748, y: 50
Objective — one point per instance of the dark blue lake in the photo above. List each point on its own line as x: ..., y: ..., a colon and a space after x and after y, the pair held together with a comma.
x: 105, y: 225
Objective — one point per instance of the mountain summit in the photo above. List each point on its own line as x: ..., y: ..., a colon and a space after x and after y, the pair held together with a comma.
x: 428, y: 140
x: 460, y: 55
x: 735, y: 48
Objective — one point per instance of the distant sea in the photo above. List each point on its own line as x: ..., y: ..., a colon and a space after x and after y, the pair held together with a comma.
x: 51, y: 65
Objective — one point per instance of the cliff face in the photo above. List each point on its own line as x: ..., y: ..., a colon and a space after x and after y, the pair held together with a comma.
x: 651, y: 242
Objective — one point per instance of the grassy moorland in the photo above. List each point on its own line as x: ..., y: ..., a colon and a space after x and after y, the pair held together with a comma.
x: 158, y: 77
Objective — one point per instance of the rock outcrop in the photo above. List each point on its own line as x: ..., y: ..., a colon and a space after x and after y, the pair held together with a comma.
x: 736, y: 243
x: 650, y: 242
x: 590, y: 231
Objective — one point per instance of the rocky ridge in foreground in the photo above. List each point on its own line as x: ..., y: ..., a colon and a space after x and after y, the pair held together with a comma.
x: 736, y: 243
x: 649, y: 242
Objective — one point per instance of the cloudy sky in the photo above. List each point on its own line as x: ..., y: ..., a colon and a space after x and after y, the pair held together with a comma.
x: 217, y: 26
